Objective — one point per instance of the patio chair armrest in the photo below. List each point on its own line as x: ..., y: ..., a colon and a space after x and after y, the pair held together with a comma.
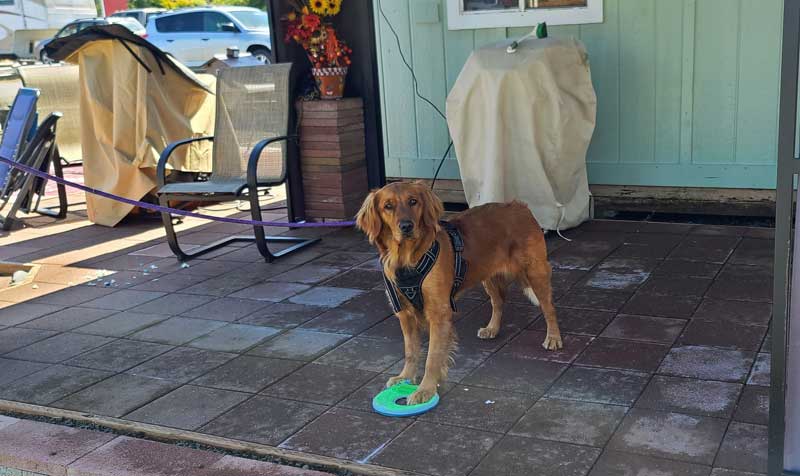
x: 255, y: 154
x: 161, y: 168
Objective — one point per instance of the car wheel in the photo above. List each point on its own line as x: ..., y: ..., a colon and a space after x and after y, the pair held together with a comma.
x: 262, y: 54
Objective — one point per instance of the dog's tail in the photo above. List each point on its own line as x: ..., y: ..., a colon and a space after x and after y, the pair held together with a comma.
x: 531, y: 295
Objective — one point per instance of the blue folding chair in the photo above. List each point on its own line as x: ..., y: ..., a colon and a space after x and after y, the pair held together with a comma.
x: 16, y: 132
x: 24, y: 143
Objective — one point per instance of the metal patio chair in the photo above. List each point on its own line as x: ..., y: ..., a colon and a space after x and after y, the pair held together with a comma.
x: 249, y: 151
x: 38, y: 152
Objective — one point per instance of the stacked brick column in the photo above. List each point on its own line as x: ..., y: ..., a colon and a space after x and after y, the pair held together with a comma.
x: 333, y: 157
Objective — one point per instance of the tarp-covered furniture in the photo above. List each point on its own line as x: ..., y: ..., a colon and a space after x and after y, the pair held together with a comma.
x: 60, y: 92
x: 249, y: 151
x: 521, y: 124
x: 135, y: 100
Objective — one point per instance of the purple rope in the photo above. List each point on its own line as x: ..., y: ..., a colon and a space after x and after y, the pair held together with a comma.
x: 158, y: 208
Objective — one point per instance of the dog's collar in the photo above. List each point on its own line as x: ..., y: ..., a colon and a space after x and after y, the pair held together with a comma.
x: 408, y: 281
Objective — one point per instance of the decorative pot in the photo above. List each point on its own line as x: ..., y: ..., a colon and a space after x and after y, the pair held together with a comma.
x: 330, y: 81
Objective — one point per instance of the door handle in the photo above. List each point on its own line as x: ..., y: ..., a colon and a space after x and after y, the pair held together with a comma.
x: 204, y: 39
x: 170, y: 41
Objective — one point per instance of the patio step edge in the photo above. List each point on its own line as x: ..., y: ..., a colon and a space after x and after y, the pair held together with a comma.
x: 172, y: 435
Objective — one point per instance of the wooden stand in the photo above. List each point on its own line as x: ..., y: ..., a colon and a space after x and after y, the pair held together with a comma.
x: 333, y: 157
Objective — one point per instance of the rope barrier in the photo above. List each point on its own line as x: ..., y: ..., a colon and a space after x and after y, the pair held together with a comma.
x: 174, y: 211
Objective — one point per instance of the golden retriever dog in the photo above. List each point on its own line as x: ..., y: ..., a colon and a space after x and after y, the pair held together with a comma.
x: 502, y: 243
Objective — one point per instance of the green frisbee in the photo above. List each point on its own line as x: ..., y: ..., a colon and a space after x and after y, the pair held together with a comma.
x: 386, y: 402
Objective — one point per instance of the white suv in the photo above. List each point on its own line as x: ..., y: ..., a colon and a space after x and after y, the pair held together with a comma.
x: 194, y: 35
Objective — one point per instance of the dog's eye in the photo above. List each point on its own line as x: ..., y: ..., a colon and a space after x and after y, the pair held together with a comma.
x: 388, y: 206
x: 412, y: 201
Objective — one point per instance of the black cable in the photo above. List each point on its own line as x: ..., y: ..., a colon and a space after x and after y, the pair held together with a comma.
x: 416, y: 87
x: 441, y: 162
x: 403, y: 57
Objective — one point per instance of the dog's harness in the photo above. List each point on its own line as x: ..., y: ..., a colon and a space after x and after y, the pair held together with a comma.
x: 409, y: 280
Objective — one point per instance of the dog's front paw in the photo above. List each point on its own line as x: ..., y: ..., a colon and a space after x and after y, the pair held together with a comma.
x: 399, y: 379
x: 552, y: 342
x: 487, y: 333
x: 422, y: 395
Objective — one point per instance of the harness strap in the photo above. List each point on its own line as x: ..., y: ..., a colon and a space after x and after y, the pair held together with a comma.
x: 460, y: 263
x: 391, y: 293
x: 408, y: 281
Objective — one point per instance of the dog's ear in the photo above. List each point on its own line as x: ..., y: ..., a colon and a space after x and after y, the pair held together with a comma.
x: 432, y: 207
x: 369, y: 220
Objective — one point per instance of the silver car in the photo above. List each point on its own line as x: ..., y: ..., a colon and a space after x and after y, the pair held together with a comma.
x: 194, y: 35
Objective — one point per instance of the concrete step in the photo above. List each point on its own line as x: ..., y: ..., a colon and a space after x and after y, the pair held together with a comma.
x: 31, y: 448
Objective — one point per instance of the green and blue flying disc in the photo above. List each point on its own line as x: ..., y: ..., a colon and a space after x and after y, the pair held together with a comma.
x: 386, y: 402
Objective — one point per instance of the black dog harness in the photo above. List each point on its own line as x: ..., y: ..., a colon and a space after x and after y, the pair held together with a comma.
x: 409, y: 280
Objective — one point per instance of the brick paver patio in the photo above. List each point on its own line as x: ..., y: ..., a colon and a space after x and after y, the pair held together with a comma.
x: 665, y: 368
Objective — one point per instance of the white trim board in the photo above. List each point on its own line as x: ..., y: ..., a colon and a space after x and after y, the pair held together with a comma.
x: 457, y: 19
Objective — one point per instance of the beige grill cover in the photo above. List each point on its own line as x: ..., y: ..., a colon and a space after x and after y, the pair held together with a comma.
x: 128, y: 116
x: 521, y: 124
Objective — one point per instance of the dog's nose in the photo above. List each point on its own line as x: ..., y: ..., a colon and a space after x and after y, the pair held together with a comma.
x: 406, y: 226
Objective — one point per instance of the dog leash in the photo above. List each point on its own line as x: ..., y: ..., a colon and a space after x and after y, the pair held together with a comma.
x: 174, y: 211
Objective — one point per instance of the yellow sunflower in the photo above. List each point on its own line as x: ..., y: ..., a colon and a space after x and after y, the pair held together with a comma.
x: 320, y: 7
x: 334, y: 7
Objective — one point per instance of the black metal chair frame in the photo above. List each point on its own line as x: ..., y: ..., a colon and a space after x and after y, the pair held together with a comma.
x: 39, y: 153
x: 249, y: 191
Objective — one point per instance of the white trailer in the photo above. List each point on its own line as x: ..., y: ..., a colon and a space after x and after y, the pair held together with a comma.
x: 25, y: 22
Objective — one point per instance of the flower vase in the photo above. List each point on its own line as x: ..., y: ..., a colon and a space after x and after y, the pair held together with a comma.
x: 330, y: 81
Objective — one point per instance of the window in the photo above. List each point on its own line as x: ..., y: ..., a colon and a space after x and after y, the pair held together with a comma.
x: 130, y: 23
x: 87, y: 24
x: 467, y: 14
x: 70, y: 29
x: 181, y: 23
x: 6, y: 2
x: 217, y: 23
x: 252, y: 20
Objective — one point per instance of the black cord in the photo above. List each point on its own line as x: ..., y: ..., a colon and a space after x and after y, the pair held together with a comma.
x: 416, y: 88
x: 441, y: 162
x: 403, y: 57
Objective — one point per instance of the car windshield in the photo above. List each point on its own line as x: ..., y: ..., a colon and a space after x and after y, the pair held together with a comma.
x: 252, y: 19
x: 70, y: 29
x: 130, y: 23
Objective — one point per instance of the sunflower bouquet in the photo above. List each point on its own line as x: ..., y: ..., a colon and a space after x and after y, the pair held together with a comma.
x: 307, y: 25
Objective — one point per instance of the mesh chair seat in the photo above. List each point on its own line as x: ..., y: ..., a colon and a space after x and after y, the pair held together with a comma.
x: 252, y: 105
x: 60, y: 92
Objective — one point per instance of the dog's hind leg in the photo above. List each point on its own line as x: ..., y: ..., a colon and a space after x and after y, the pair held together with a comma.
x: 496, y: 289
x: 540, y: 292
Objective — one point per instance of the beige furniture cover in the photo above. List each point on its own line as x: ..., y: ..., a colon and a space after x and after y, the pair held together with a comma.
x: 60, y: 92
x: 521, y: 124
x: 129, y: 115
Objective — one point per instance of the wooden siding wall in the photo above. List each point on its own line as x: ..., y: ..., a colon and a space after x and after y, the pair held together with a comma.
x: 687, y: 89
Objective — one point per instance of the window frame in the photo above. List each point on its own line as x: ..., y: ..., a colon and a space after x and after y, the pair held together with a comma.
x: 457, y: 19
x: 209, y: 14
x: 175, y: 16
